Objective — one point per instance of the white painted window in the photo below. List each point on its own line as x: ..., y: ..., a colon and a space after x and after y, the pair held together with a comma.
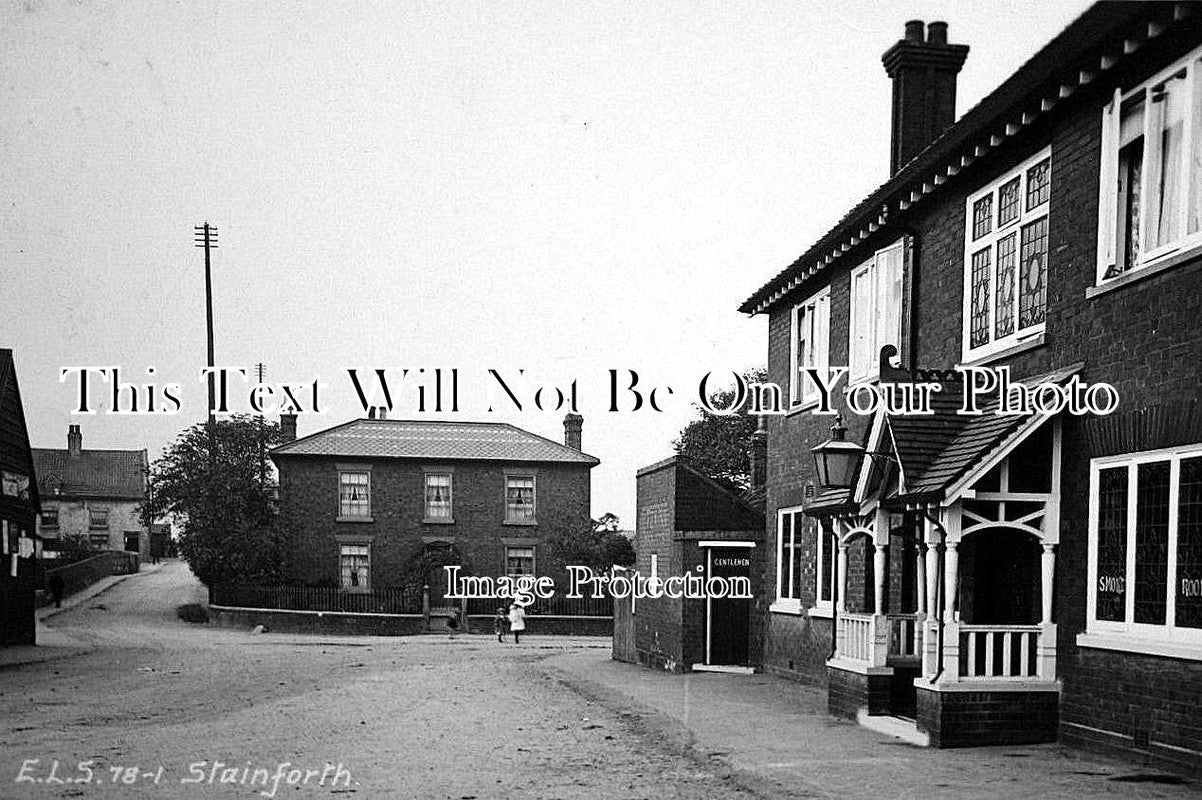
x: 438, y: 495
x: 354, y: 494
x: 519, y: 561
x: 809, y: 327
x: 1150, y: 201
x: 1006, y: 259
x: 519, y: 498
x: 790, y: 532
x: 354, y: 566
x: 1145, y: 546
x: 876, y: 299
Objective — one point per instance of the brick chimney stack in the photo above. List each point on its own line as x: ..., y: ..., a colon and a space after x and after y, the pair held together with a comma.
x: 923, y: 67
x: 572, y: 427
x: 287, y: 428
x: 74, y: 441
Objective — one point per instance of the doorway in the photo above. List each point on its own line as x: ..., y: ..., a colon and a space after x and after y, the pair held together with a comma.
x: 727, y: 623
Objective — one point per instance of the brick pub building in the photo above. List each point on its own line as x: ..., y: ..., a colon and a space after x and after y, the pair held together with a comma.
x: 381, y: 504
x: 1002, y: 579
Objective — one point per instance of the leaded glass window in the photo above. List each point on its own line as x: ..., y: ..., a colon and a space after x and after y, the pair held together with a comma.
x: 980, y: 298
x: 1033, y: 285
x: 982, y: 217
x: 1189, y: 545
x: 1039, y: 187
x: 1151, y: 542
x: 1003, y: 317
x: 1008, y: 202
x: 1006, y: 264
x: 1112, y: 545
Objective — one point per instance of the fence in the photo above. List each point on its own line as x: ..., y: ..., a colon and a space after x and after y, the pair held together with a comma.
x: 82, y: 574
x: 311, y: 598
x: 556, y: 605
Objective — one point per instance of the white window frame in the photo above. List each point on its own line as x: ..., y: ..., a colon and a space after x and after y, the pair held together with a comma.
x: 363, y: 588
x: 1131, y: 635
x: 878, y: 322
x: 533, y: 558
x: 785, y: 575
x: 93, y: 525
x: 354, y: 471
x: 997, y: 234
x: 1109, y: 229
x: 831, y: 562
x: 532, y: 517
x: 816, y: 308
x: 439, y: 473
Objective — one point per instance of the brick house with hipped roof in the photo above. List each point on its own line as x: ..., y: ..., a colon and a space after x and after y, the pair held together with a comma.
x: 1008, y: 579
x: 367, y: 503
x: 93, y: 494
x: 19, y: 544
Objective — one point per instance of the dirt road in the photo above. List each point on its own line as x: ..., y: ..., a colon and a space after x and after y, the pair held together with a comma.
x: 160, y: 708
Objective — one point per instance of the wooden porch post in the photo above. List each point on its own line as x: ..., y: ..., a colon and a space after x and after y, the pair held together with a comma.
x: 842, y: 576
x: 878, y: 569
x: 951, y: 572
x: 1048, y: 573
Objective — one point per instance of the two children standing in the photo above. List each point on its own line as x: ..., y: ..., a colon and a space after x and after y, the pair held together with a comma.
x: 515, y: 620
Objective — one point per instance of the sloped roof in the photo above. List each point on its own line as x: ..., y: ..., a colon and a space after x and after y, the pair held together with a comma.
x: 443, y: 441
x: 1099, y: 27
x: 93, y: 473
x: 937, y: 450
x: 9, y: 387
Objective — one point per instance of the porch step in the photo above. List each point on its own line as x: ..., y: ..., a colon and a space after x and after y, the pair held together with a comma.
x: 898, y: 727
x: 723, y: 668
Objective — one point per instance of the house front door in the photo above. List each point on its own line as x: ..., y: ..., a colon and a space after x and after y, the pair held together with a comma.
x: 133, y: 542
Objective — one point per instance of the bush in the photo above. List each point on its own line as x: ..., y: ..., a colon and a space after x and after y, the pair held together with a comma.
x: 194, y: 613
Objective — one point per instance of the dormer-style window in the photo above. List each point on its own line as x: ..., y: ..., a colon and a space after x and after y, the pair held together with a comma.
x: 876, y: 298
x: 1006, y: 259
x: 810, y: 325
x: 1150, y: 201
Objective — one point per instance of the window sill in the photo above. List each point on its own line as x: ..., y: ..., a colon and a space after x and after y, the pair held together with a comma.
x: 785, y: 605
x: 801, y: 408
x: 438, y: 521
x: 1140, y: 645
x: 825, y: 612
x: 521, y: 523
x: 354, y: 519
x: 1031, y: 343
x: 1162, y: 264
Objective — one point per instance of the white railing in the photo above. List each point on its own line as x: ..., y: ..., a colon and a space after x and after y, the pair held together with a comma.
x: 904, y: 636
x: 999, y: 651
x: 855, y: 636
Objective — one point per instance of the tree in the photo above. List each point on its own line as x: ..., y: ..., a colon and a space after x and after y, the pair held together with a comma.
x: 719, y: 445
x: 224, y: 500
x: 596, y: 544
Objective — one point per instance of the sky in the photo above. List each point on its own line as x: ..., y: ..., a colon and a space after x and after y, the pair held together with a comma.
x: 553, y: 188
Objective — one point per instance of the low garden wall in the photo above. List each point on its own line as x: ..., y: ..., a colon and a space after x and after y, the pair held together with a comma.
x: 82, y: 574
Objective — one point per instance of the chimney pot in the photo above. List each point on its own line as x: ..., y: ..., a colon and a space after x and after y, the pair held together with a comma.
x: 572, y: 427
x: 74, y: 441
x: 923, y: 71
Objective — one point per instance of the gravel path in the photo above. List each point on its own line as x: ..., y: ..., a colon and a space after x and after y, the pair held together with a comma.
x: 409, y: 717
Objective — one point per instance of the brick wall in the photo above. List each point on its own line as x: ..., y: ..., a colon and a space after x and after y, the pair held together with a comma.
x: 657, y: 622
x: 968, y: 719
x: 309, y: 508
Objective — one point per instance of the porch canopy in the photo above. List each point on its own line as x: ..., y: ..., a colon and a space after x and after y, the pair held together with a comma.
x: 972, y: 504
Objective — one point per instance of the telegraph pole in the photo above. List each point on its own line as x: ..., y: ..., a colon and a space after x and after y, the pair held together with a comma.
x: 206, y: 237
x: 261, y: 373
